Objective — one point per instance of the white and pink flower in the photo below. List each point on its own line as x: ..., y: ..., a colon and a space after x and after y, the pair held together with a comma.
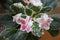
x: 34, y: 2
x: 26, y: 24
x: 44, y: 22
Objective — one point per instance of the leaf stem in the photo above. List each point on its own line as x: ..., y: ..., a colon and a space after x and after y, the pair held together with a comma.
x: 33, y: 12
x: 25, y: 11
x: 37, y: 15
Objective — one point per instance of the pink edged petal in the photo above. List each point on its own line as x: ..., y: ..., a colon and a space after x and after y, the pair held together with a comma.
x: 28, y: 18
x: 46, y: 28
x: 50, y: 20
x: 28, y: 29
x: 23, y: 27
x: 22, y: 21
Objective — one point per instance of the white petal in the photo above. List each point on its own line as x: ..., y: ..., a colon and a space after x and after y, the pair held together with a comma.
x: 36, y: 2
x: 45, y: 16
x: 16, y: 18
x: 30, y: 23
x: 18, y: 4
x: 51, y: 19
x: 40, y: 25
x: 38, y: 20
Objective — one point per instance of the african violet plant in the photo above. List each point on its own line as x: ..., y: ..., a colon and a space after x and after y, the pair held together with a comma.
x: 28, y: 19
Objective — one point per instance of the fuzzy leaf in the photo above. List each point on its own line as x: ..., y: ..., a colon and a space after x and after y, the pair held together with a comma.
x: 55, y: 25
x: 50, y: 4
x: 34, y: 8
x: 53, y: 32
x: 7, y: 21
x: 17, y: 10
x: 32, y: 37
x: 16, y: 1
x: 36, y: 30
x: 13, y: 34
x: 28, y: 12
x: 8, y: 31
x: 1, y: 38
x: 19, y: 35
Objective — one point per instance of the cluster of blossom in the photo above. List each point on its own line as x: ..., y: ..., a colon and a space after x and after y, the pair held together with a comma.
x: 34, y: 2
x: 26, y: 23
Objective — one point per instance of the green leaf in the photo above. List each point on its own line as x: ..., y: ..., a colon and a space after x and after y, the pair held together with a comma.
x: 55, y: 25
x: 19, y: 35
x: 7, y: 21
x: 28, y: 12
x: 1, y: 38
x: 53, y: 32
x: 36, y: 9
x: 13, y: 34
x: 50, y: 4
x: 16, y: 1
x: 8, y: 31
x: 17, y: 10
x: 7, y: 6
x: 36, y: 30
x: 46, y: 9
x: 32, y: 37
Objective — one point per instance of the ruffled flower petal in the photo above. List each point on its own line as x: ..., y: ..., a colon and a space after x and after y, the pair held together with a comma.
x: 28, y: 29
x: 27, y: 23
x: 30, y: 23
x: 44, y: 21
x: 22, y: 21
x: 36, y: 2
x: 19, y: 5
x: 23, y: 27
x: 16, y: 18
x: 28, y: 18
